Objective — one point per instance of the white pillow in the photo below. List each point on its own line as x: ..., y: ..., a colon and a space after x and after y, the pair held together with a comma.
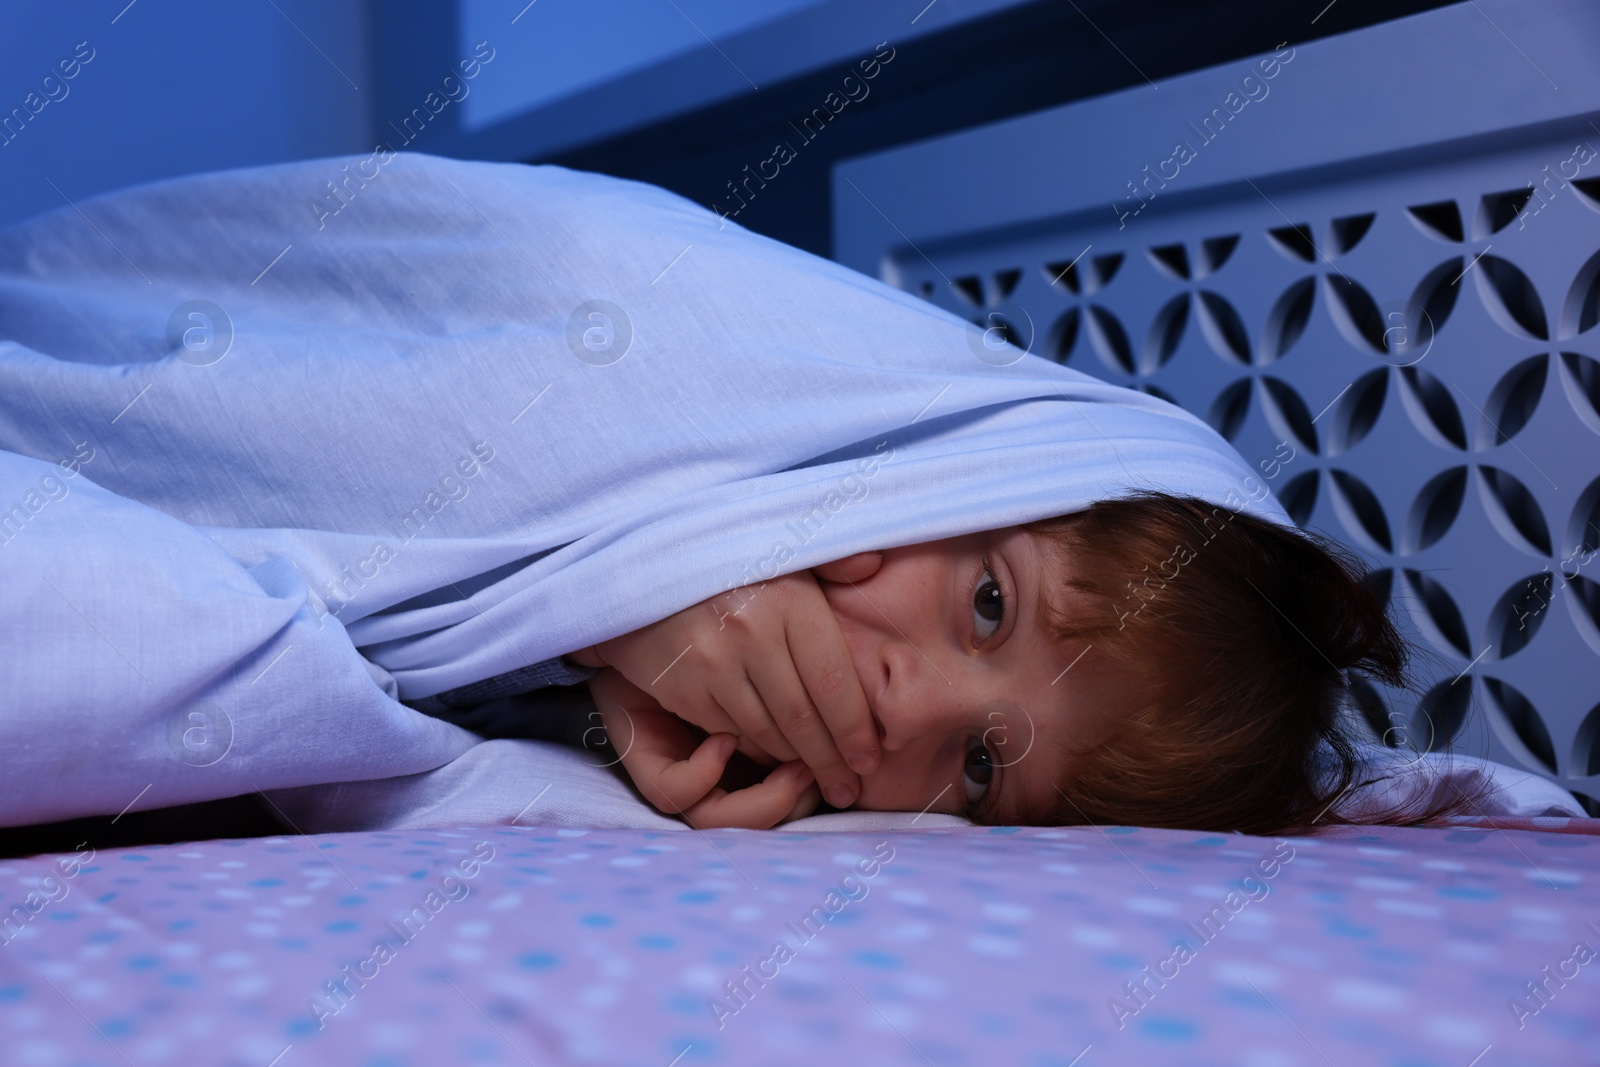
x: 529, y: 783
x: 1433, y: 776
x: 542, y: 783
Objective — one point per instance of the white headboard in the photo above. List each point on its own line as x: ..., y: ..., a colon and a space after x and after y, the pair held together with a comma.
x: 1373, y: 263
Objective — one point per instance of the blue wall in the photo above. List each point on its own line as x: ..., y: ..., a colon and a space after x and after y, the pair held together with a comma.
x: 173, y: 87
x: 618, y: 86
x: 558, y: 47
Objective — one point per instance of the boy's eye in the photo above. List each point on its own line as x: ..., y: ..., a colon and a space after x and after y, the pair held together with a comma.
x: 988, y: 604
x: 977, y: 771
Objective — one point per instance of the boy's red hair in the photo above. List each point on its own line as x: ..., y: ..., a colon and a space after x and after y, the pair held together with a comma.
x: 1240, y: 634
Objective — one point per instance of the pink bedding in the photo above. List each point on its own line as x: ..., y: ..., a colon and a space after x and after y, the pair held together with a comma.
x: 510, y: 945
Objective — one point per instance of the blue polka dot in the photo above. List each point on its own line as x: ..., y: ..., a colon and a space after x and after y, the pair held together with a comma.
x: 873, y: 958
x: 265, y: 883
x: 1005, y: 829
x: 538, y: 961
x: 809, y: 993
x: 1119, y: 829
x: 697, y: 896
x: 1560, y: 841
x: 135, y: 857
x: 1208, y: 842
x: 180, y: 924
x: 352, y: 901
x: 116, y: 1027
x: 659, y: 942
x: 1119, y: 961
x: 302, y: 1027
x: 181, y: 980
x: 1339, y: 926
x: 1468, y: 892
x: 1169, y: 1028
x: 9, y: 993
x: 598, y: 922
x: 341, y: 926
x: 106, y: 898
x: 142, y: 963
x: 1244, y: 998
x: 688, y: 1004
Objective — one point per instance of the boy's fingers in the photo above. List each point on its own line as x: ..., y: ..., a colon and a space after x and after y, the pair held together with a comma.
x: 705, y: 712
x: 747, y: 708
x: 856, y: 568
x: 805, y: 805
x: 829, y: 674
x: 678, y: 785
x: 757, y: 807
x: 786, y: 698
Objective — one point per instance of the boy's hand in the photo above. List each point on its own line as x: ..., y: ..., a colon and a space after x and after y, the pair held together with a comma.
x: 680, y: 774
x: 768, y: 664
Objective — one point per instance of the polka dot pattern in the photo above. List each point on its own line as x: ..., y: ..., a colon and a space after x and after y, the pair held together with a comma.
x: 513, y: 945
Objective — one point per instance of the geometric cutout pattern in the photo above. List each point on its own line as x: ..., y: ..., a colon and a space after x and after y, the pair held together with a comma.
x: 1425, y: 345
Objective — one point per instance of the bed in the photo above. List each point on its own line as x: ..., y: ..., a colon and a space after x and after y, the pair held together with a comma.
x: 515, y: 931
x: 955, y: 945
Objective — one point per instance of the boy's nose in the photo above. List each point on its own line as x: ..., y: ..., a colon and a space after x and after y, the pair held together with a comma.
x: 918, y: 700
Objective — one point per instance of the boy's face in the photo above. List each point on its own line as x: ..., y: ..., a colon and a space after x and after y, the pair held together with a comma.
x: 972, y: 698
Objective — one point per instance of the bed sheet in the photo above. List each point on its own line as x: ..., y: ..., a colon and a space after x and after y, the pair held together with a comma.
x: 1039, y: 947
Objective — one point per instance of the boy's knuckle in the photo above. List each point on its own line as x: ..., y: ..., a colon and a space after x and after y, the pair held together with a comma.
x: 738, y: 628
x: 830, y: 681
x: 794, y: 719
x: 784, y: 592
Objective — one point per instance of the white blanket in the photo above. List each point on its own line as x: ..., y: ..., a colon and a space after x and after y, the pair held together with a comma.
x: 265, y: 467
